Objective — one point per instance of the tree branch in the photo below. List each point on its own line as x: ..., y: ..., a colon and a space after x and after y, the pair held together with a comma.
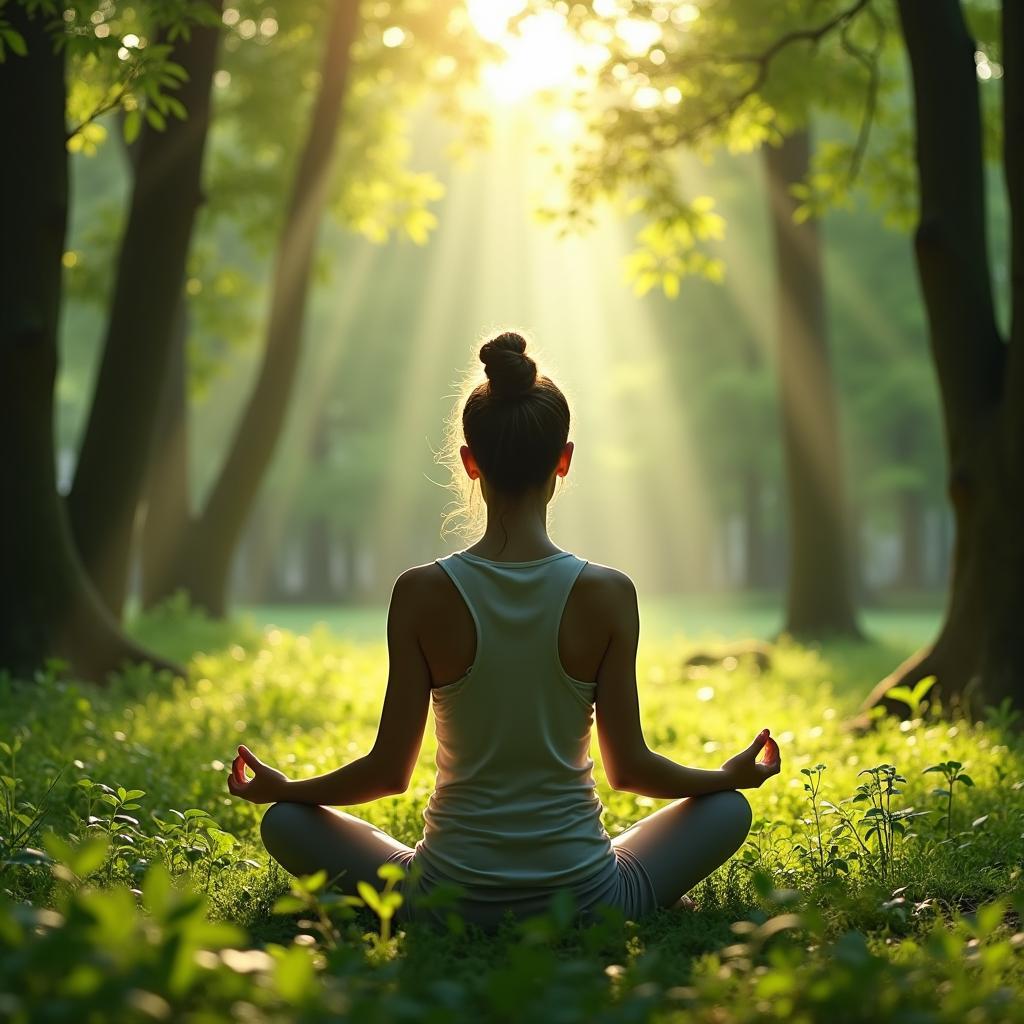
x: 869, y: 59
x: 110, y: 104
x: 763, y: 61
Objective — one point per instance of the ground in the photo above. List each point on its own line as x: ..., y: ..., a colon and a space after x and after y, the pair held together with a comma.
x: 136, y: 889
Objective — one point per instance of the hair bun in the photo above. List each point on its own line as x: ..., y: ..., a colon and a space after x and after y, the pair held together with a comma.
x: 509, y: 369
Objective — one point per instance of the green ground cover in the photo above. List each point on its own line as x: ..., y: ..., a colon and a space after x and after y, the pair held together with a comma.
x: 136, y: 889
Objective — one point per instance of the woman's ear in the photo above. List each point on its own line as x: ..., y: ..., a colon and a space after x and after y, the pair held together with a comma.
x: 565, y: 459
x: 472, y: 469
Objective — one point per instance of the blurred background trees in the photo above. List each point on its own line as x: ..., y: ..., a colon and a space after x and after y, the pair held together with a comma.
x: 285, y: 238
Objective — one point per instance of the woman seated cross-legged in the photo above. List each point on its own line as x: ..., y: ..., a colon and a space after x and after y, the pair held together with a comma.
x: 519, y: 647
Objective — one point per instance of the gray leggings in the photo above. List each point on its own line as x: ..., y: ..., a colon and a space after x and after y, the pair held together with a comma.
x: 659, y: 858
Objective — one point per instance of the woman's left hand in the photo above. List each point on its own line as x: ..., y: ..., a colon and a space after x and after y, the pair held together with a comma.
x: 267, y: 785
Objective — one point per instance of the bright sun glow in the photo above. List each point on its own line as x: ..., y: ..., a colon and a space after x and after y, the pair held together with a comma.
x: 540, y: 53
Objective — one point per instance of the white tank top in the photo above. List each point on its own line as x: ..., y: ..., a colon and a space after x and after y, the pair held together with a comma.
x: 514, y: 803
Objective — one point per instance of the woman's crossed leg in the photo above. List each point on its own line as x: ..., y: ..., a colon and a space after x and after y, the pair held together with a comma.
x: 682, y: 843
x: 306, y: 838
x: 678, y: 845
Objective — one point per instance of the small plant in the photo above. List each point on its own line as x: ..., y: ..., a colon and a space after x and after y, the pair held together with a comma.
x: 387, y: 901
x: 912, y: 696
x: 880, y: 821
x: 767, y: 847
x: 951, y: 772
x: 20, y: 821
x: 120, y: 828
x: 825, y: 860
x: 311, y: 895
x: 1002, y: 716
x: 306, y: 896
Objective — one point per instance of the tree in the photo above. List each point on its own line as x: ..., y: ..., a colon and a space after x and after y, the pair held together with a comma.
x: 47, y: 604
x: 977, y: 656
x: 699, y: 78
x: 819, y: 591
x: 166, y: 194
x: 370, y: 190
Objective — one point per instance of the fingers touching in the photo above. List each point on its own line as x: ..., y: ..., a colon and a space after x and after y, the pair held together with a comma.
x: 237, y: 780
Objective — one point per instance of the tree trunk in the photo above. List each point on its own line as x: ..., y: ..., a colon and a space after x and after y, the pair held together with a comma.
x: 212, y: 539
x: 754, y: 576
x: 150, y: 274
x: 911, y: 529
x: 978, y: 657
x: 47, y: 605
x: 318, y: 584
x: 818, y: 593
x: 166, y: 497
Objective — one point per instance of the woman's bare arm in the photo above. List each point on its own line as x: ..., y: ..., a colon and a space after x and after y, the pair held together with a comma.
x: 629, y: 763
x: 389, y: 765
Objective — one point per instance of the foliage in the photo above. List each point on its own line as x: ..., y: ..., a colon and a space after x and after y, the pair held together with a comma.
x: 735, y: 76
x: 263, y: 91
x: 151, y: 896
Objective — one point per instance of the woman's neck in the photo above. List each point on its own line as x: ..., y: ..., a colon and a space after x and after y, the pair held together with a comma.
x: 516, y: 531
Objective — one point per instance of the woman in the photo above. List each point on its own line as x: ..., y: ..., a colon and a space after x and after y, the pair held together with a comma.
x: 517, y: 644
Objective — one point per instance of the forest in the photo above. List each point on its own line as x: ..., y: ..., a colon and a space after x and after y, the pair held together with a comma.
x: 773, y: 255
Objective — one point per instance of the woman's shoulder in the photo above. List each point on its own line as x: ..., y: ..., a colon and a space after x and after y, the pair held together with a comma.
x: 604, y: 585
x: 419, y: 580
x: 596, y: 584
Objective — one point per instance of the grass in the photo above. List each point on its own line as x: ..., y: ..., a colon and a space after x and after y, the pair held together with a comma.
x: 117, y: 908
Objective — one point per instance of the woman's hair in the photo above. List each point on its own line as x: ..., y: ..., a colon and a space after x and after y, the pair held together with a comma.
x: 516, y: 423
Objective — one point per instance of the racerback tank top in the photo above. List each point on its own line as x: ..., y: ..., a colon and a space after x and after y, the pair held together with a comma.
x: 514, y: 806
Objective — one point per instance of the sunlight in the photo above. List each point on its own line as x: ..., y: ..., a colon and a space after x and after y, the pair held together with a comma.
x: 541, y: 52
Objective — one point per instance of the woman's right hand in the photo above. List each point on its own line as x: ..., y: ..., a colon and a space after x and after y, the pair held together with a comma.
x: 745, y: 771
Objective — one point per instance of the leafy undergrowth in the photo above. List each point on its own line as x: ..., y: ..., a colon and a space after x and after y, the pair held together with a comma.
x: 882, y: 879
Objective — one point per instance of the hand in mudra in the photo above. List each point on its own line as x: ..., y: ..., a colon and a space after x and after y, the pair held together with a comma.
x: 748, y: 771
x: 267, y: 784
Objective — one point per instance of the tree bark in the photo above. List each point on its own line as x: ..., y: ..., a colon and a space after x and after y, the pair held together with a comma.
x: 150, y: 274
x: 166, y: 496
x: 753, y: 529
x: 818, y: 593
x: 978, y: 657
x: 47, y: 605
x: 911, y: 530
x: 211, y: 540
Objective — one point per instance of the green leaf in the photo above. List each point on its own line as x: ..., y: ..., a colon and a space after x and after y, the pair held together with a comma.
x: 370, y: 896
x: 923, y: 686
x: 289, y: 905
x: 16, y: 43
x: 82, y: 860
x: 156, y: 889
x: 294, y: 975
x: 391, y: 872
x: 310, y: 883
x: 132, y: 125
x: 176, y: 107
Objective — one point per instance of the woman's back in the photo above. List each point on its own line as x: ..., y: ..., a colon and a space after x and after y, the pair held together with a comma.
x: 514, y: 804
x: 517, y: 657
